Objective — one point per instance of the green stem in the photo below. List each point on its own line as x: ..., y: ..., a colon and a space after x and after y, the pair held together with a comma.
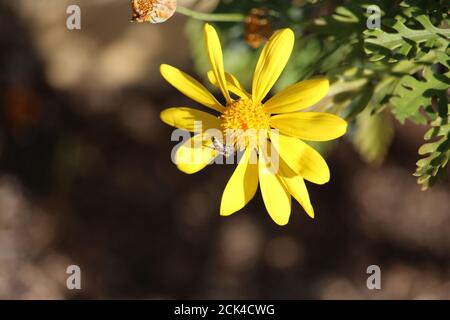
x: 224, y: 17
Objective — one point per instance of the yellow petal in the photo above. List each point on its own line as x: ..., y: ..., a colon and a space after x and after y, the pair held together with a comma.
x: 297, y: 188
x: 276, y: 198
x: 192, y: 156
x: 302, y: 159
x: 314, y: 126
x: 216, y: 59
x: 232, y: 83
x: 188, y: 119
x: 271, y: 63
x: 190, y: 87
x: 241, y: 187
x: 298, y: 96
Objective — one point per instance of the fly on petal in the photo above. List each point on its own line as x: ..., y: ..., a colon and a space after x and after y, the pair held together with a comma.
x: 153, y: 11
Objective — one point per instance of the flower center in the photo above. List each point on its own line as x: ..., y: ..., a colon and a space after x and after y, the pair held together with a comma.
x: 243, y: 115
x: 244, y: 121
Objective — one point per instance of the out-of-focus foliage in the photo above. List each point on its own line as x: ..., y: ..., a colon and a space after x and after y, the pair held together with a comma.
x: 401, y: 68
x: 372, y: 136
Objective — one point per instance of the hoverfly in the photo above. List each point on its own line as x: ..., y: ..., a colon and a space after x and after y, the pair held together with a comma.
x: 153, y: 11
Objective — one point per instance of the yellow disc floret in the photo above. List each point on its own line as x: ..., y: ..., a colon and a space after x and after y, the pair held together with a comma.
x: 243, y: 114
x: 243, y: 120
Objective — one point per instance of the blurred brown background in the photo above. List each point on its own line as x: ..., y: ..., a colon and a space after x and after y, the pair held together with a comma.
x: 86, y: 179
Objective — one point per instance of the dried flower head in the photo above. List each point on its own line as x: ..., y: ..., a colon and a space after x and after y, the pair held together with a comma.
x: 153, y: 11
x: 257, y: 27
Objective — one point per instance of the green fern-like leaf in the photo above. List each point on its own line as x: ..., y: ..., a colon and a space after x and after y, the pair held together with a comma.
x: 412, y: 94
x: 430, y: 168
x: 405, y: 43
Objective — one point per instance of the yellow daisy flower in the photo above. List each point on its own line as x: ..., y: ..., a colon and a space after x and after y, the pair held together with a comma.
x: 297, y: 160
